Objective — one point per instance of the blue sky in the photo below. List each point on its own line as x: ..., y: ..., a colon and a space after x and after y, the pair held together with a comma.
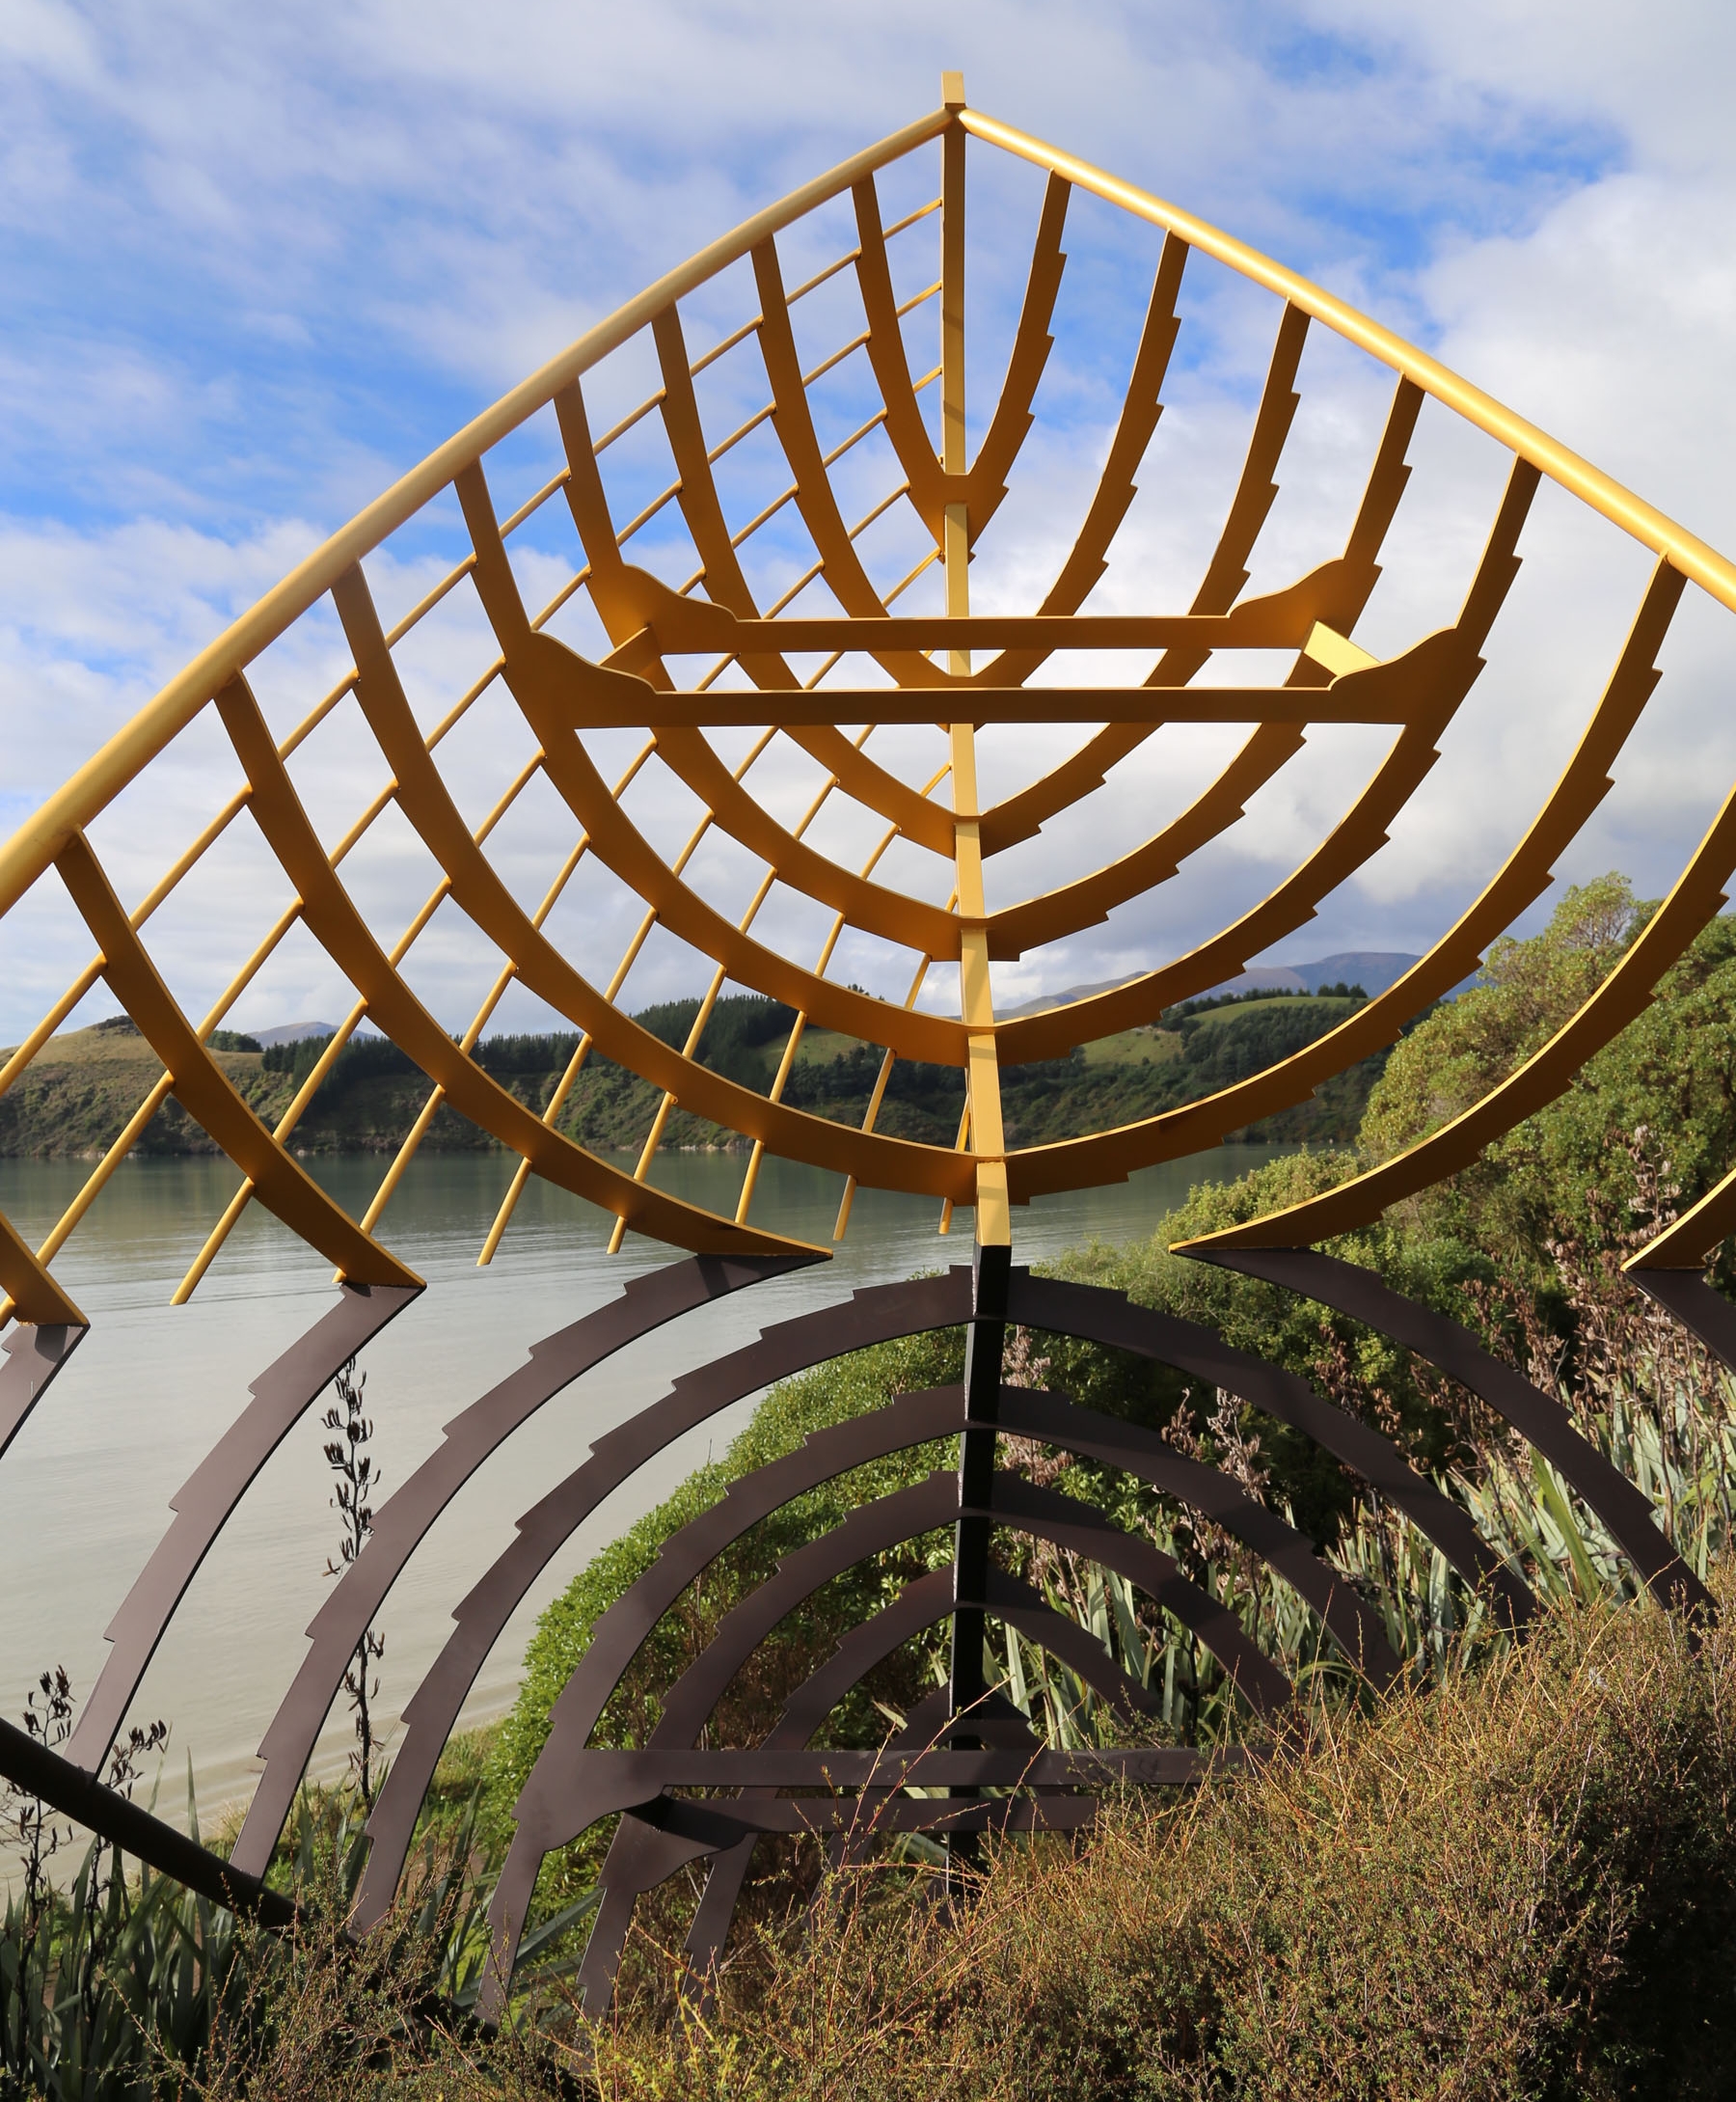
x: 258, y: 263
x: 253, y: 267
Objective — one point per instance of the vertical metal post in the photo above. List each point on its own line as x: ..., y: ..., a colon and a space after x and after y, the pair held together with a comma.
x: 994, y: 1253
x: 985, y: 1343
x: 976, y: 1002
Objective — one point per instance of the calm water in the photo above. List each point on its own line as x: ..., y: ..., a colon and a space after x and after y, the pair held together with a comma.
x: 85, y: 1489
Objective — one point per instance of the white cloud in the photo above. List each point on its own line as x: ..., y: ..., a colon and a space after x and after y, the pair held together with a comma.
x: 308, y: 246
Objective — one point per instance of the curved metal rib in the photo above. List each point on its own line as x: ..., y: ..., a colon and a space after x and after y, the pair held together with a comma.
x: 986, y: 483
x: 913, y: 1419
x: 793, y: 420
x: 1022, y: 815
x: 401, y: 1523
x: 605, y: 565
x: 905, y: 426
x: 643, y: 1855
x: 919, y: 817
x: 35, y: 1352
x: 1444, y: 667
x: 920, y: 1605
x: 479, y: 891
x: 699, y: 503
x: 1097, y: 1315
x: 33, y: 1295
x: 1685, y: 1294
x: 331, y: 916
x: 205, y: 1501
x: 875, y: 1315
x: 1056, y: 914
x: 1525, y: 875
x: 541, y: 673
x: 204, y: 1090
x: 1690, y: 1243
x: 552, y: 1809
x: 1454, y: 1350
x: 1697, y: 898
x: 1141, y: 408
x: 1139, y: 1452
x: 893, y: 914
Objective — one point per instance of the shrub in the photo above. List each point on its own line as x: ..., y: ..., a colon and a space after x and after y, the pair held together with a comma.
x: 1519, y: 1883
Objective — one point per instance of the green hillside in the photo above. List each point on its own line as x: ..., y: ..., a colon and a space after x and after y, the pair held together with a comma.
x: 77, y: 1096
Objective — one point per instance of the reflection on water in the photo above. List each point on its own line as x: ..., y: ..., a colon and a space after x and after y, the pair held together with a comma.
x: 85, y: 1489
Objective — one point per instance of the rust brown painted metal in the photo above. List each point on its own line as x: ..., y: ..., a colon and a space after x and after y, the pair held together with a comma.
x: 1454, y: 1350
x: 203, y: 1505
x: 402, y: 1521
x: 1022, y: 1506
x: 553, y: 1807
x: 644, y: 1851
x: 919, y: 1419
x: 34, y: 1353
x: 875, y: 1315
x: 1695, y: 1304
x: 1102, y: 1316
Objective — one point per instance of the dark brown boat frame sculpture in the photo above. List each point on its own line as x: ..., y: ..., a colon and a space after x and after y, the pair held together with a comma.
x: 967, y: 1739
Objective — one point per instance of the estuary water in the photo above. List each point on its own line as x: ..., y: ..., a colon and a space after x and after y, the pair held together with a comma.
x: 86, y: 1487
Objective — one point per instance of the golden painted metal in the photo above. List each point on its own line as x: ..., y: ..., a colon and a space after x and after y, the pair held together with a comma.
x: 941, y: 668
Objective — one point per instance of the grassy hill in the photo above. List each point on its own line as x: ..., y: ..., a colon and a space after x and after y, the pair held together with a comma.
x: 78, y: 1095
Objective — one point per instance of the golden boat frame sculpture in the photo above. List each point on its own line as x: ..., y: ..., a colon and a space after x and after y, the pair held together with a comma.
x: 696, y: 667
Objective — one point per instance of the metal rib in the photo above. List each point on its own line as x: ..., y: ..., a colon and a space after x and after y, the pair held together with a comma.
x: 1446, y: 665
x: 206, y: 1500
x: 402, y: 1521
x: 1524, y: 877
x: 332, y: 916
x: 35, y: 1352
x: 643, y: 1853
x: 1097, y: 1315
x: 1705, y: 1313
x: 205, y: 1091
x: 913, y: 1419
x: 552, y: 1809
x: 1454, y: 1350
x: 876, y: 1315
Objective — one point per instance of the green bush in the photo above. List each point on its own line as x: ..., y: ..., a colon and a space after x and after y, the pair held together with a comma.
x: 1574, y: 1168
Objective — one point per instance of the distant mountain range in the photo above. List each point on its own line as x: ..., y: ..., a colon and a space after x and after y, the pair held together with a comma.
x: 1373, y: 970
x: 291, y: 1032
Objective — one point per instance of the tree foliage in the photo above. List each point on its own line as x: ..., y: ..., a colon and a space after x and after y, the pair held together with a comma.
x: 1573, y: 1167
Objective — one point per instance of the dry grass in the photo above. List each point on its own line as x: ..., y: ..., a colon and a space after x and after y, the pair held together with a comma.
x: 1519, y: 1884
x: 111, y: 1046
